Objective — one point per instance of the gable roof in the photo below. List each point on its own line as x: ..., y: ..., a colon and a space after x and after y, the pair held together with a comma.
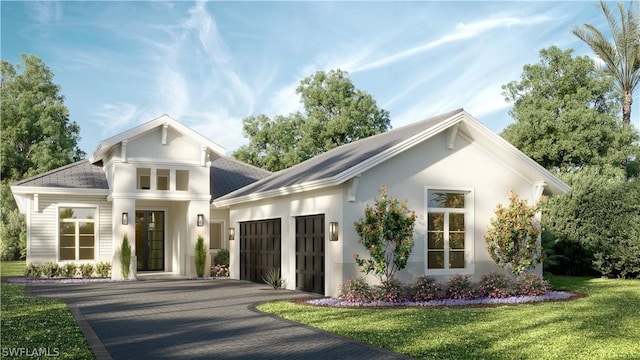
x: 140, y: 130
x: 78, y: 175
x: 228, y: 175
x: 338, y: 165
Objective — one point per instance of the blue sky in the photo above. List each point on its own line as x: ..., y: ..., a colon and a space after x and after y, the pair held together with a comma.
x: 211, y: 64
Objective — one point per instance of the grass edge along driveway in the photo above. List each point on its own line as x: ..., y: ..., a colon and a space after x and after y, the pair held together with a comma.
x: 603, y: 325
x: 32, y: 327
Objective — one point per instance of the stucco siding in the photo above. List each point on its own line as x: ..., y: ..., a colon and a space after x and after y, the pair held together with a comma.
x: 149, y: 146
x: 432, y: 164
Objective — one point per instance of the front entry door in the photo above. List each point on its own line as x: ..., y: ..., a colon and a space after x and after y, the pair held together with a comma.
x: 150, y: 240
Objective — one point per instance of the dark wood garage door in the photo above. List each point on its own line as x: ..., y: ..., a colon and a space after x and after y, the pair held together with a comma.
x: 259, y: 248
x: 310, y: 253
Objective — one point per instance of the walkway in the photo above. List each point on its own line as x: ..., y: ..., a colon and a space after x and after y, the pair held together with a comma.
x: 196, y: 319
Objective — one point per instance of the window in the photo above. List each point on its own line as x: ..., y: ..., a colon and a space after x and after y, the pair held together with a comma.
x: 77, y: 233
x: 182, y: 180
x: 215, y: 235
x: 162, y: 179
x: 144, y: 178
x: 449, y: 245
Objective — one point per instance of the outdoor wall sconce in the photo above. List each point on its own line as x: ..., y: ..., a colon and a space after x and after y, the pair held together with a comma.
x: 232, y: 233
x: 125, y: 218
x: 200, y: 220
x: 333, y: 231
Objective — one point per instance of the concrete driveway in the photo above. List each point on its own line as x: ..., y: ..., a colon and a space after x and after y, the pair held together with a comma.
x: 196, y: 319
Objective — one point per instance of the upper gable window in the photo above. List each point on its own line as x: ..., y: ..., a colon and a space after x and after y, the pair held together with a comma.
x: 162, y: 179
x: 182, y: 180
x: 143, y: 176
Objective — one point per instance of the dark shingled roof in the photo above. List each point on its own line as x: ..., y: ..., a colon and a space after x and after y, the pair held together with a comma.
x: 79, y: 175
x: 340, y: 159
x: 229, y: 175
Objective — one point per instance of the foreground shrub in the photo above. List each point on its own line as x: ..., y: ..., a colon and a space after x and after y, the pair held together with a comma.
x: 425, y: 288
x: 50, y: 269
x: 530, y: 284
x: 461, y: 287
x: 68, y: 270
x: 356, y: 290
x: 273, y: 278
x: 86, y: 270
x: 496, y: 285
x: 103, y: 269
x: 125, y: 257
x: 391, y: 290
x: 221, y: 258
x: 33, y: 271
x: 200, y: 256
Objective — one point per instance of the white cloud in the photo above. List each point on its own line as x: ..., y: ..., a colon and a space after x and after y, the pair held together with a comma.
x: 46, y: 12
x: 116, y: 116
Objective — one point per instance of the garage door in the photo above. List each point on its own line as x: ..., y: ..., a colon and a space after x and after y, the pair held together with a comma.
x: 259, y: 248
x: 310, y: 253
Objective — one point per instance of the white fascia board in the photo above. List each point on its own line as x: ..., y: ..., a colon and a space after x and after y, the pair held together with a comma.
x: 159, y: 196
x: 348, y: 174
x: 553, y: 182
x: 23, y: 190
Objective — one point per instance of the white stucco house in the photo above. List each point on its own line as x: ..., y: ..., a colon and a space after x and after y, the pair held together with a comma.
x: 163, y: 184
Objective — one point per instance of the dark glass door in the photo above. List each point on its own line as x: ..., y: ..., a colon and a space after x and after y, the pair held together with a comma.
x: 150, y: 240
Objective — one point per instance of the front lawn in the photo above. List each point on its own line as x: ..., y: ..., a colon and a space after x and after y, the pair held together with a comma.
x: 603, y: 325
x: 31, y: 325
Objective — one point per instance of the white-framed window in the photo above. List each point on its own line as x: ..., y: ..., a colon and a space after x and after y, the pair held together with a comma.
x: 162, y: 179
x: 449, y: 247
x: 76, y: 233
x: 143, y: 176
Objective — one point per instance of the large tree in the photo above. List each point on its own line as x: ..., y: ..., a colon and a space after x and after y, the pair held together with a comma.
x: 621, y: 57
x: 335, y: 113
x: 565, y: 114
x: 36, y: 136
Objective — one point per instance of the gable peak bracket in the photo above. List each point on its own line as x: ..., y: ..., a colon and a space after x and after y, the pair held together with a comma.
x: 165, y: 127
x: 352, y: 187
x: 538, y: 189
x: 452, y: 132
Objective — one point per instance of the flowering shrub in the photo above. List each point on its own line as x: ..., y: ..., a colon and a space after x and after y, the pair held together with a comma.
x: 391, y: 290
x: 530, y: 284
x: 496, y: 285
x: 86, y: 270
x: 461, y: 287
x: 50, y: 269
x: 68, y: 270
x: 356, y: 290
x: 220, y: 270
x: 425, y: 288
x: 33, y: 271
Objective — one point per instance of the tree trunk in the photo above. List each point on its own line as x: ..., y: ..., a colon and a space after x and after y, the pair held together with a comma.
x: 626, y: 107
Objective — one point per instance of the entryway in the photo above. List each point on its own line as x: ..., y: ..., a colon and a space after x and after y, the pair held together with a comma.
x: 150, y: 240
x: 310, y: 253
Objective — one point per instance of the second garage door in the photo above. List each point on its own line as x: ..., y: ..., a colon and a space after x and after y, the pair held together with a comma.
x: 260, y: 248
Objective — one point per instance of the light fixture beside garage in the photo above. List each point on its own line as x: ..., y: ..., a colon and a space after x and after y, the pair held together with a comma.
x: 333, y: 231
x: 200, y: 220
x: 232, y: 233
x: 125, y: 218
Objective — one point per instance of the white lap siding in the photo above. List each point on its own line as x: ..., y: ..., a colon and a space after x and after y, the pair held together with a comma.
x: 43, y: 226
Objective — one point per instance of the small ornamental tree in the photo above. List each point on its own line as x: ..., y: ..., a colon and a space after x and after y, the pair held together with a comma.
x: 387, y: 233
x: 125, y: 257
x: 201, y: 257
x: 512, y: 238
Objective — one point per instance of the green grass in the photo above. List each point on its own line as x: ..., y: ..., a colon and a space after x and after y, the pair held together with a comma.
x: 603, y: 325
x: 36, y: 323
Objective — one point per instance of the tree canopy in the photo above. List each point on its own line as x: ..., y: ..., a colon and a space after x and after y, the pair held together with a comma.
x: 565, y: 114
x: 36, y: 135
x: 335, y: 113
